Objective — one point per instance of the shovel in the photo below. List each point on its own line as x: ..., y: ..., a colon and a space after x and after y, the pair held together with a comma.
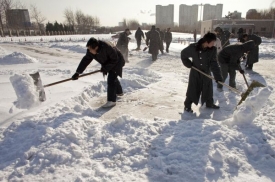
x: 40, y: 87
x: 244, y: 95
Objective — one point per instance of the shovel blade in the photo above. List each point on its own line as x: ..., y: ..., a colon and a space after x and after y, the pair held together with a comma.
x: 253, y: 85
x: 39, y: 86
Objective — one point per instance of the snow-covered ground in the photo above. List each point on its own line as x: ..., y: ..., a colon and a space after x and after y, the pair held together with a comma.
x: 146, y: 136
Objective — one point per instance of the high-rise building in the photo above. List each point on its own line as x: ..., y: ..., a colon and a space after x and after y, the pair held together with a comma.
x: 165, y: 15
x: 188, y: 16
x: 18, y: 18
x: 212, y: 12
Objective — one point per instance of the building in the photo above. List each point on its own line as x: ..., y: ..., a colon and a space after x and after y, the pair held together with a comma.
x: 211, y: 12
x: 165, y: 16
x: 188, y: 17
x: 18, y: 19
x: 263, y: 28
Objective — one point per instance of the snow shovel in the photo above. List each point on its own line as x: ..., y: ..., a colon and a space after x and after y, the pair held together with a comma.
x: 243, y: 95
x: 40, y: 88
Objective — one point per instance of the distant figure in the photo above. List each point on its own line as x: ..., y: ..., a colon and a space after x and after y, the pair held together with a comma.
x: 122, y: 43
x: 195, y: 35
x: 139, y: 35
x: 153, y: 41
x: 240, y: 35
x: 201, y: 55
x: 161, y: 34
x: 229, y: 60
x: 168, y: 39
x: 253, y: 55
x: 224, y: 36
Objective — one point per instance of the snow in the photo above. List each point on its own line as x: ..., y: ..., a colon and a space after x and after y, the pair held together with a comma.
x: 147, y: 136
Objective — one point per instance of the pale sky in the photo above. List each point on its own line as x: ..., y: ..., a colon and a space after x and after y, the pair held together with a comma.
x: 110, y: 12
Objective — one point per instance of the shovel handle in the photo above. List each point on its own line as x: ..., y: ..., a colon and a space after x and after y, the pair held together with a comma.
x: 231, y: 88
x: 86, y: 74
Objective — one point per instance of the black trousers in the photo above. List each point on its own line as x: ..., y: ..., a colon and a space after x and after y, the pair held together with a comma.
x: 113, y: 86
x: 138, y: 43
x: 167, y: 46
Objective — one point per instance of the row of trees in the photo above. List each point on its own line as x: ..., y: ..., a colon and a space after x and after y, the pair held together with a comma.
x: 261, y: 14
x: 80, y: 22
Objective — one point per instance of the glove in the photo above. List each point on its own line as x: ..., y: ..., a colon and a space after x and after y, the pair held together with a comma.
x: 75, y: 76
x: 103, y: 71
x: 241, y: 71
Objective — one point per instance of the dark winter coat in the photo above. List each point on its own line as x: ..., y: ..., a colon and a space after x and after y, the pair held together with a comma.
x: 122, y: 42
x: 153, y: 40
x: 107, y: 55
x: 168, y: 37
x: 204, y: 60
x: 253, y: 55
x: 224, y: 36
x: 231, y: 54
x: 139, y: 34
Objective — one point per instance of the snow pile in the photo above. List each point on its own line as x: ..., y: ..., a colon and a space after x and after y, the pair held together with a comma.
x: 17, y: 58
x: 247, y: 111
x: 25, y: 90
x: 74, y: 48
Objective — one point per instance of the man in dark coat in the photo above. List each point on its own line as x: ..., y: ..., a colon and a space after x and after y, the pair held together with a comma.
x: 240, y: 35
x: 224, y: 36
x: 204, y: 58
x: 253, y: 55
x: 111, y: 61
x: 161, y: 34
x: 122, y: 43
x: 153, y: 41
x: 139, y: 35
x: 229, y: 60
x: 168, y: 39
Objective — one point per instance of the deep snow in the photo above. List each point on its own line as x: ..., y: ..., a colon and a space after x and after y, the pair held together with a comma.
x: 146, y: 136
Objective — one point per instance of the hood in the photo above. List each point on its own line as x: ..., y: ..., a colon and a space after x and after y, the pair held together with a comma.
x: 249, y: 45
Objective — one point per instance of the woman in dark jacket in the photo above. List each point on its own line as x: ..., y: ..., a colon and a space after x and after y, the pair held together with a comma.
x: 204, y: 58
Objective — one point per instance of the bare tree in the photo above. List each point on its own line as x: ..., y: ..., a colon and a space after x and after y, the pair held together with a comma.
x: 70, y: 17
x: 5, y: 5
x: 132, y: 24
x: 37, y: 16
x: 79, y: 17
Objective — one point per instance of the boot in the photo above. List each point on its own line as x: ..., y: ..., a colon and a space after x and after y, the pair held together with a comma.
x: 187, y: 109
x: 213, y: 106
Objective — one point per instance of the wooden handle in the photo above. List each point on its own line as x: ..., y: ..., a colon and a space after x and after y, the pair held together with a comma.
x: 86, y: 74
x: 231, y: 88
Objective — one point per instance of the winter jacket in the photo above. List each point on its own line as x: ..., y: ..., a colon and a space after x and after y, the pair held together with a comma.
x: 224, y: 36
x: 107, y: 55
x: 253, y: 55
x: 122, y: 42
x: 139, y: 34
x: 168, y: 37
x: 231, y: 54
x: 206, y: 61
x: 153, y: 40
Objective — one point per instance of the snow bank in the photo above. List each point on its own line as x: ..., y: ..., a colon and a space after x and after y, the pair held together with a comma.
x: 247, y: 111
x: 17, y: 58
x: 25, y: 90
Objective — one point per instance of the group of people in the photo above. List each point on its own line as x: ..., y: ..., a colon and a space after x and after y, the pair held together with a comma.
x: 154, y: 40
x: 214, y: 53
x: 204, y: 56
